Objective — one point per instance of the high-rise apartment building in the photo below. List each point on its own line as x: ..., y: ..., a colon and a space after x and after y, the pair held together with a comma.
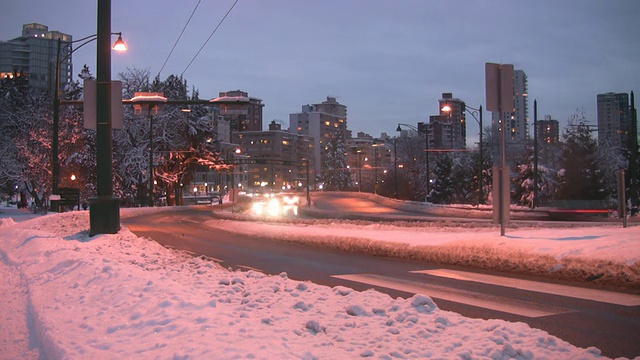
x: 548, y: 131
x: 548, y: 142
x: 322, y: 121
x: 448, y: 129
x: 516, y: 118
x: 34, y: 55
x: 614, y: 118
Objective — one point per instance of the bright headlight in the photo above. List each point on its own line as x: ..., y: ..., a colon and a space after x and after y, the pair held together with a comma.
x: 291, y: 200
x: 257, y: 208
x: 273, y: 207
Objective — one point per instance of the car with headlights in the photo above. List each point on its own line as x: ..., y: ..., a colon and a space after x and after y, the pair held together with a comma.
x: 275, y: 205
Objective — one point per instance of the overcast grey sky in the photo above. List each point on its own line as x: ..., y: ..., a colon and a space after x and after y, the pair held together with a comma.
x: 388, y: 61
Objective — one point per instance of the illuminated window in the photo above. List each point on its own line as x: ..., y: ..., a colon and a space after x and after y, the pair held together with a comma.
x: 285, y: 142
x: 328, y: 123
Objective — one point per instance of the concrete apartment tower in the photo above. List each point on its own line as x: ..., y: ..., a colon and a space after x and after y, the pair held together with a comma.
x: 516, y: 118
x: 448, y: 129
x: 34, y: 55
x: 614, y: 118
x: 322, y: 121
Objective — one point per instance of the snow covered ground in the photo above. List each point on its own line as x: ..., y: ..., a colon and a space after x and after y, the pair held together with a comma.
x: 68, y: 296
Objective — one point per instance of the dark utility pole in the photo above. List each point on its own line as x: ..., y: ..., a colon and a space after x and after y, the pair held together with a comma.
x: 395, y: 169
x: 535, y: 154
x: 55, y: 162
x: 481, y: 171
x: 104, y: 214
x: 425, y: 127
x: 481, y: 160
x: 151, y: 186
x: 633, y: 158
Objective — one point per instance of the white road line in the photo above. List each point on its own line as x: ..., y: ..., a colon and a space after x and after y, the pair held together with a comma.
x: 214, y: 259
x: 492, y: 302
x: 553, y: 289
x: 250, y: 268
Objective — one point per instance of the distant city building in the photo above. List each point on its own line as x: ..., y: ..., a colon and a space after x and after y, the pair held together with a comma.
x: 548, y: 131
x: 34, y: 55
x: 549, y: 142
x: 614, y: 118
x: 321, y: 121
x: 241, y: 112
x: 448, y: 129
x: 517, y: 117
x: 360, y: 158
x: 275, y: 159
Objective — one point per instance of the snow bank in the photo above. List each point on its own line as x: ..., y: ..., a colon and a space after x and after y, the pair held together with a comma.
x: 605, y: 255
x: 120, y: 296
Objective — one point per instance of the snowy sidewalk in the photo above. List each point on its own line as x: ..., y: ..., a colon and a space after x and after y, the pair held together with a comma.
x: 119, y: 296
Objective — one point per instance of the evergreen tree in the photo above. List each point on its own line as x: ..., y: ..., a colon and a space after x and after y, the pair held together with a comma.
x: 442, y: 190
x: 335, y: 174
x: 523, y: 183
x: 580, y: 177
x: 463, y: 178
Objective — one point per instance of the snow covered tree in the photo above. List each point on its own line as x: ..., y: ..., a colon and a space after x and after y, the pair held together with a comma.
x: 581, y: 177
x: 523, y: 182
x: 464, y: 178
x: 442, y: 191
x: 181, y: 140
x: 412, y: 174
x: 25, y: 125
x: 610, y: 160
x: 77, y: 149
x: 335, y: 174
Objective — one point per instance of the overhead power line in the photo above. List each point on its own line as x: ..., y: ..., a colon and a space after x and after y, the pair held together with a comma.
x: 209, y: 38
x: 180, y: 36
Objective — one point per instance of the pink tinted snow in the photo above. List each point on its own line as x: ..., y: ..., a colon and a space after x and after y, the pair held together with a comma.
x: 120, y: 296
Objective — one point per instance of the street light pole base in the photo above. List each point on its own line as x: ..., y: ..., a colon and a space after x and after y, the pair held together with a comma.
x: 55, y: 205
x: 104, y: 215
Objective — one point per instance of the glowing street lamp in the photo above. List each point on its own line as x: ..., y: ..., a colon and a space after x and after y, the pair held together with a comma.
x: 149, y: 103
x: 119, y: 45
x: 473, y: 112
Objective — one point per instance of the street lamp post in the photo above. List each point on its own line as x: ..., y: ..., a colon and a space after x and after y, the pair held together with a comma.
x: 534, y: 204
x: 119, y: 45
x: 306, y: 161
x: 473, y: 113
x: 153, y: 101
x: 395, y: 170
x: 424, y: 127
x: 375, y: 167
x: 359, y: 153
x: 104, y: 214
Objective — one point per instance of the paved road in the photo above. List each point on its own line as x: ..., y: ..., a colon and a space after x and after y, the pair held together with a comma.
x: 583, y: 317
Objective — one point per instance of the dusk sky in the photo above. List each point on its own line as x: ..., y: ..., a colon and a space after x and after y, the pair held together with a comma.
x: 388, y: 61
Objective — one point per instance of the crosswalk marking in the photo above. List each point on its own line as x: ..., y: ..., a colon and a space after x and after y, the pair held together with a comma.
x: 553, y: 289
x: 245, y: 267
x: 492, y: 302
